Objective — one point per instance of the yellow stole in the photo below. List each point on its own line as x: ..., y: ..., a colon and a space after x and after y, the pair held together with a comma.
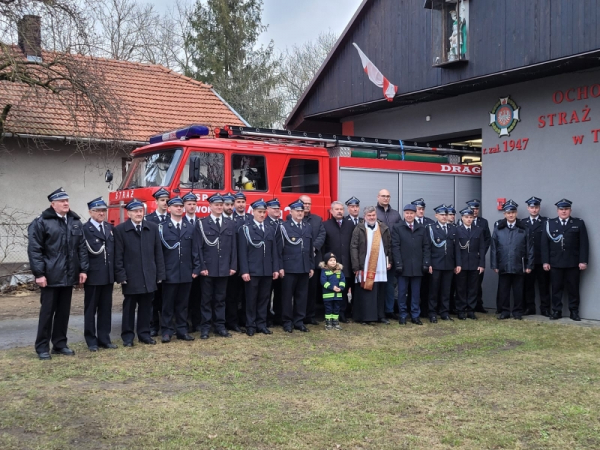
x: 371, y: 269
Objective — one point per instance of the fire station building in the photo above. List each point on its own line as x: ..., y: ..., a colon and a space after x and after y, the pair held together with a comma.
x: 518, y: 80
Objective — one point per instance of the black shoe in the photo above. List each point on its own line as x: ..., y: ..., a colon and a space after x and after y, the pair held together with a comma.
x: 111, y: 346
x: 312, y: 321
x: 433, y: 319
x: 301, y: 328
x: 235, y: 328
x: 148, y: 341
x: 402, y: 321
x: 529, y: 312
x: 545, y: 312
x: 575, y: 316
x: 385, y: 321
x: 127, y: 344
x: 518, y: 316
x: 462, y: 316
x: 481, y: 310
x: 63, y: 351
x: 416, y: 321
x: 250, y: 331
x: 389, y: 315
x: 447, y: 317
x: 165, y: 339
x: 204, y: 335
x: 264, y: 331
x: 504, y: 316
x: 269, y: 323
x: 93, y: 348
x: 185, y: 337
x: 556, y: 315
x: 471, y: 315
x: 198, y: 328
x: 44, y: 356
x: 288, y: 329
x: 223, y: 333
x: 153, y: 333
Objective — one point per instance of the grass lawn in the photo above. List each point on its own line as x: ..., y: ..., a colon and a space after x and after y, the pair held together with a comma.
x: 466, y: 384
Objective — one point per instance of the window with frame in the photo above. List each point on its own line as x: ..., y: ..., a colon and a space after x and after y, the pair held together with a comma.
x: 301, y: 176
x: 449, y: 31
x: 249, y: 172
x: 212, y: 171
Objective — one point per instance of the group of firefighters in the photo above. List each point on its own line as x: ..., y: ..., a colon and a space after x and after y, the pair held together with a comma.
x: 233, y: 270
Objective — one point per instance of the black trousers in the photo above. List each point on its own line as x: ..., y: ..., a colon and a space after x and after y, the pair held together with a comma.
x: 542, y: 278
x: 453, y: 294
x: 565, y: 278
x: 440, y: 282
x: 258, y: 294
x: 274, y: 313
x: 97, y: 314
x: 156, y: 309
x: 294, y: 287
x: 235, y: 295
x: 54, y: 318
x: 212, y: 304
x: 314, y: 293
x: 467, y: 283
x: 425, y: 300
x: 175, y: 297
x: 143, y: 302
x: 479, y: 304
x: 194, y: 312
x: 506, y: 281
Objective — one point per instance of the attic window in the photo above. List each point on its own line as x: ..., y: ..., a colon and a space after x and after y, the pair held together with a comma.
x: 449, y: 31
x: 33, y: 58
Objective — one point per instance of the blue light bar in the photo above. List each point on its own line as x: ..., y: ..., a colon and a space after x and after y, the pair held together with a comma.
x: 184, y: 133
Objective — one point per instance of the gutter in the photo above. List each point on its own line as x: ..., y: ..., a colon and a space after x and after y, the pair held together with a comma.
x: 229, y: 106
x: 67, y: 139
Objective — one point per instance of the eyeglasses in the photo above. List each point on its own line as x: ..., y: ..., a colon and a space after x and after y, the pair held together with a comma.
x: 385, y: 196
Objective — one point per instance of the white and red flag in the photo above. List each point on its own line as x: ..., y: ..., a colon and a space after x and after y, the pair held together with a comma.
x: 389, y: 90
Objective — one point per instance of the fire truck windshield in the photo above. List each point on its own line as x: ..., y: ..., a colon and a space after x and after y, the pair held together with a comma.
x: 154, y: 169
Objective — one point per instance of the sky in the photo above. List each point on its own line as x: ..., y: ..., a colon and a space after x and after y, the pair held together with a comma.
x: 293, y: 22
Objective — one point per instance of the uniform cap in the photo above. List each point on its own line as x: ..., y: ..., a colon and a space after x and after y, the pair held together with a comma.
x: 297, y: 205
x: 133, y: 205
x: 58, y: 194
x: 190, y: 197
x: 410, y: 207
x: 259, y: 204
x: 228, y: 197
x: 97, y: 203
x: 466, y: 212
x: 162, y: 192
x: 215, y: 198
x: 510, y: 205
x: 352, y: 201
x: 564, y: 203
x: 451, y: 209
x: 533, y: 201
x: 274, y: 203
x: 328, y: 256
x: 418, y: 202
x: 442, y: 209
x: 175, y: 201
x: 473, y: 203
x: 240, y: 194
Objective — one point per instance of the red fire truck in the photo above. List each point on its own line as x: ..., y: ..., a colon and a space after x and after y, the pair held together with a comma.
x: 283, y: 164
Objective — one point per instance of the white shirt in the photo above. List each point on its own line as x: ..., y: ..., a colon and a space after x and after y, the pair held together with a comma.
x: 511, y: 225
x: 191, y: 218
x: 229, y: 217
x: 175, y: 222
x: 215, y: 218
x: 260, y: 224
x: 381, y: 271
x: 96, y: 224
x: 409, y: 224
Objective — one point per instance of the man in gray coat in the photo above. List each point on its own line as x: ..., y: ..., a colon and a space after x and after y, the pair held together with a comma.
x: 512, y: 257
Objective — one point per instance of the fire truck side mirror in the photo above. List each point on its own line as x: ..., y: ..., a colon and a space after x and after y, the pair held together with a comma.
x: 194, y: 169
x: 108, y: 176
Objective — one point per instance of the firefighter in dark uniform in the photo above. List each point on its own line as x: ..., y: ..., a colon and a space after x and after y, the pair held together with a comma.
x: 98, y: 288
x: 235, y: 285
x: 451, y: 222
x: 59, y: 260
x: 451, y: 215
x: 443, y: 264
x: 274, y: 220
x: 470, y: 264
x: 239, y: 208
x: 565, y: 253
x: 160, y: 215
x: 139, y: 267
x: 482, y: 223
x: 190, y: 203
x: 258, y: 260
x: 177, y: 238
x: 511, y: 258
x: 215, y: 260
x: 353, y: 205
x: 536, y: 225
x: 294, y: 241
x: 426, y: 281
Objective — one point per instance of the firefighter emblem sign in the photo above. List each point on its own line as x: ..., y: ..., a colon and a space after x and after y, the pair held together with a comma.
x: 504, y: 116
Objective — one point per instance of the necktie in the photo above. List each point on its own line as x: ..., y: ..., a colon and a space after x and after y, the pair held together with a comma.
x: 469, y: 231
x: 101, y: 229
x: 564, y: 223
x: 444, y: 228
x: 261, y: 228
x: 162, y: 218
x: 178, y: 229
x: 218, y: 222
x: 340, y: 223
x: 138, y: 229
x: 510, y: 227
x: 410, y: 226
x: 192, y: 221
x: 355, y: 221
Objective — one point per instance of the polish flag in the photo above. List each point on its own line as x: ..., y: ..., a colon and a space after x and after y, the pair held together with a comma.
x: 389, y: 90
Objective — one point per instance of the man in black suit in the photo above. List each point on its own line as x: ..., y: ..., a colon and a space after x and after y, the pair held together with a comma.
x: 98, y: 288
x: 423, y: 221
x: 482, y: 223
x: 412, y: 254
x: 318, y: 239
x: 536, y: 225
x: 139, y: 267
x: 273, y: 220
x: 235, y: 286
x: 296, y: 250
x: 177, y: 237
x: 443, y: 262
x: 190, y: 204
x: 159, y: 215
x: 353, y: 205
x: 565, y: 253
x: 258, y: 260
x: 470, y: 264
x: 338, y: 235
x: 215, y: 259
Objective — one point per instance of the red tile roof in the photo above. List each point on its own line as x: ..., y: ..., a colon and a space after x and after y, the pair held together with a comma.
x: 151, y: 99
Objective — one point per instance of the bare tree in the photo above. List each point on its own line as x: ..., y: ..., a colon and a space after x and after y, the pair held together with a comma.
x: 13, y: 235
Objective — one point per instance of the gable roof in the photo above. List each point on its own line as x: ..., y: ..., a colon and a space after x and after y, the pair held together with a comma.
x: 151, y: 98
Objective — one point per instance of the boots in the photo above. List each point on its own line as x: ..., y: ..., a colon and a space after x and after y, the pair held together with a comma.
x: 328, y: 324
x: 336, y: 325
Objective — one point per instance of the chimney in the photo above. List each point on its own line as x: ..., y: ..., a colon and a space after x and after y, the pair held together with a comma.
x: 30, y: 36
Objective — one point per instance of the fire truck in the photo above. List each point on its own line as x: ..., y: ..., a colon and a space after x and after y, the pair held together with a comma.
x: 265, y: 163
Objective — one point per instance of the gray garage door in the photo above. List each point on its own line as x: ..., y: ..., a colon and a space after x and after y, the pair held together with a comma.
x: 365, y: 184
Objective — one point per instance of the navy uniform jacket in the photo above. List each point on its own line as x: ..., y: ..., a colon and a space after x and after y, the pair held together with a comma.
x: 318, y: 235
x: 102, y: 265
x: 273, y: 223
x: 536, y: 232
x: 444, y: 256
x: 337, y: 241
x: 571, y: 250
x: 155, y: 218
x: 411, y: 249
x: 512, y: 250
x: 295, y: 258
x: 217, y: 259
x: 178, y: 261
x: 426, y: 221
x: 260, y: 261
x: 473, y: 255
x: 487, y: 235
x: 138, y: 259
x: 348, y: 218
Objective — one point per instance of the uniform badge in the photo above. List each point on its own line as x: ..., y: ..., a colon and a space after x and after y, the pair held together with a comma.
x: 97, y: 240
x: 438, y: 239
x: 293, y: 239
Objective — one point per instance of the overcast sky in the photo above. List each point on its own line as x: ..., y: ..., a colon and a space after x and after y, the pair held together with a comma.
x: 295, y: 22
